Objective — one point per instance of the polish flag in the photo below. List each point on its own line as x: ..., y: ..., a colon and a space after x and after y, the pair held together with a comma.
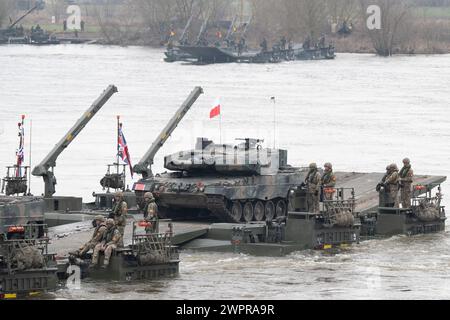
x: 215, y: 111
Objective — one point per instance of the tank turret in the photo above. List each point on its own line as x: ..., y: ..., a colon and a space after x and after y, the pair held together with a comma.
x: 247, y: 158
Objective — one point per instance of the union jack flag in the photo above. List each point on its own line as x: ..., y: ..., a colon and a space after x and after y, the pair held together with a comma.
x: 20, y: 151
x: 122, y: 148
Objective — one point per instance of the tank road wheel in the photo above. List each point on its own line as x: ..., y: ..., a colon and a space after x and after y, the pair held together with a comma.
x: 236, y: 211
x: 280, y: 210
x: 259, y: 211
x: 248, y: 211
x: 269, y: 210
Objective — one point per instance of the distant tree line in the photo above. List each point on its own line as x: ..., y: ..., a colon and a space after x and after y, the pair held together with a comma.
x: 150, y: 22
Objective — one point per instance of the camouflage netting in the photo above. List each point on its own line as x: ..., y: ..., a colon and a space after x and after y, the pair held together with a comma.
x: 344, y: 219
x: 27, y: 258
x: 427, y: 211
x: 152, y: 258
x: 15, y: 187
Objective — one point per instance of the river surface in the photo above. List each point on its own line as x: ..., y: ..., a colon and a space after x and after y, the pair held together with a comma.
x: 360, y: 112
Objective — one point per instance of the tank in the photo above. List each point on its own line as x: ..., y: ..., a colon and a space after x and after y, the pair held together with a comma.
x: 230, y: 182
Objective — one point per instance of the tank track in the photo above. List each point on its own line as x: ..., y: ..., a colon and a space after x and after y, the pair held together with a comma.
x: 217, y: 206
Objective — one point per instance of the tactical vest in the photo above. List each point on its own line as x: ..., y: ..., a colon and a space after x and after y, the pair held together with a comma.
x: 404, y: 171
x: 326, y: 178
x: 117, y: 208
x: 310, y: 176
x: 146, y: 208
x: 109, y: 234
x: 98, y: 228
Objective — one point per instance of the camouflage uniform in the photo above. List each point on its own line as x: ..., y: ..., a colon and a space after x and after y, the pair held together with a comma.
x: 313, y: 186
x: 328, y: 181
x: 119, y: 213
x: 406, y: 178
x: 111, y: 240
x: 151, y: 213
x: 97, y: 236
x: 391, y: 184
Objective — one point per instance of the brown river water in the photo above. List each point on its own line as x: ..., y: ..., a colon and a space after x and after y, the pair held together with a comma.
x: 360, y: 112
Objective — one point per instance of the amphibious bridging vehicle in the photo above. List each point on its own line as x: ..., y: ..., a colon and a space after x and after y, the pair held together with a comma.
x: 149, y: 256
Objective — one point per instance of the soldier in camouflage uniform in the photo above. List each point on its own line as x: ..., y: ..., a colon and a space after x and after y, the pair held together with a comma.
x: 110, y: 241
x: 391, y: 186
x: 328, y: 181
x: 97, y: 236
x: 312, y: 182
x: 119, y: 212
x: 151, y: 213
x: 406, y: 178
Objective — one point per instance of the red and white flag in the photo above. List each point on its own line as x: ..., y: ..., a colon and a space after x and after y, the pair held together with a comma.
x: 215, y: 111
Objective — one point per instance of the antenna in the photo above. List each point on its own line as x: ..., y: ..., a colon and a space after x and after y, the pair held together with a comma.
x: 274, y: 121
x: 29, y: 174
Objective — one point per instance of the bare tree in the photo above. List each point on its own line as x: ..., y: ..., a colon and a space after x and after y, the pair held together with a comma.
x: 117, y: 22
x: 342, y: 11
x: 309, y: 17
x: 57, y: 8
x: 6, y: 8
x: 395, y: 24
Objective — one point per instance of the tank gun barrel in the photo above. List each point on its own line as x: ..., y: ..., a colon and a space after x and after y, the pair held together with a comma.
x: 43, y: 169
x: 144, y: 166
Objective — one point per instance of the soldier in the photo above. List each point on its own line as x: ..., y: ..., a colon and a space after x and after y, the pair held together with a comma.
x: 406, y: 178
x: 307, y: 43
x: 313, y: 186
x: 322, y: 41
x: 111, y: 240
x: 151, y: 213
x: 263, y: 45
x: 328, y: 181
x: 391, y: 186
x: 283, y: 43
x: 97, y: 236
x: 119, y: 212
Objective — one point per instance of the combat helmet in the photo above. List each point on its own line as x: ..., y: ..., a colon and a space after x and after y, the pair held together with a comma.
x: 149, y: 195
x: 99, y: 218
x: 393, y: 167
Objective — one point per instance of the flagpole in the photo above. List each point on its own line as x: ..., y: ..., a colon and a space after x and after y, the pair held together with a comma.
x: 220, y: 126
x: 118, y: 147
x: 29, y: 175
x: 274, y: 122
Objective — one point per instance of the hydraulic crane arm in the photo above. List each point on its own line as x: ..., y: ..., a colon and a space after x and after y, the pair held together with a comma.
x: 246, y: 26
x: 144, y: 166
x: 37, y: 5
x: 43, y: 169
x: 183, y: 34
x: 203, y: 29
x: 230, y: 29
